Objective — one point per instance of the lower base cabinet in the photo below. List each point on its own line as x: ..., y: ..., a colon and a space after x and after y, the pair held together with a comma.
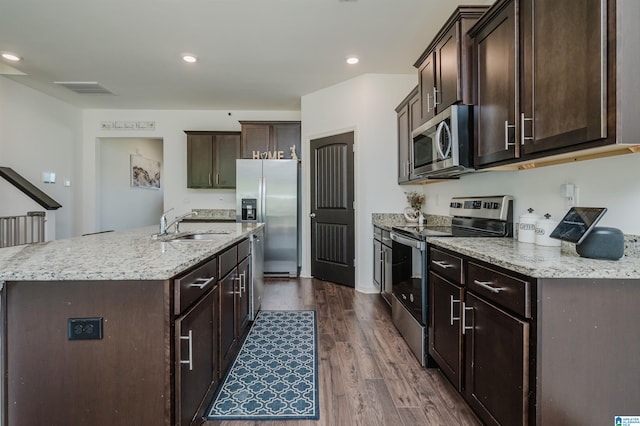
x: 196, y: 366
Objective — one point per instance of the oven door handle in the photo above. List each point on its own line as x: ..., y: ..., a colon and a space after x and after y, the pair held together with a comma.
x: 417, y: 244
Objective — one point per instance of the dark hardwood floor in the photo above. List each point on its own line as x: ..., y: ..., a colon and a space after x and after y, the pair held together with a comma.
x: 367, y: 374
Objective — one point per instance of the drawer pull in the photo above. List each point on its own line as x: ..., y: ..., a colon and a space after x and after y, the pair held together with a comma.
x: 487, y: 285
x: 451, y: 310
x: 189, y: 337
x: 201, y: 282
x: 442, y: 264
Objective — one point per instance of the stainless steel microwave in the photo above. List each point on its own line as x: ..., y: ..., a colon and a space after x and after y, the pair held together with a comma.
x: 443, y: 146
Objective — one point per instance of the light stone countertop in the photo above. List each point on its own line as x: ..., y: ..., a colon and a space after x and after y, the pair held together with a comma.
x: 538, y: 261
x: 120, y: 255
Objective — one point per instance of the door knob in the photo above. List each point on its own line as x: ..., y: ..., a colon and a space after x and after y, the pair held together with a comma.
x: 312, y: 215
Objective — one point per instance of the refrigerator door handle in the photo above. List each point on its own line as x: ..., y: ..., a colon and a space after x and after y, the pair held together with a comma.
x: 264, y: 199
x: 260, y: 200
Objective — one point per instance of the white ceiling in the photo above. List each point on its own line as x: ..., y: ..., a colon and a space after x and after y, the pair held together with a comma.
x: 253, y: 54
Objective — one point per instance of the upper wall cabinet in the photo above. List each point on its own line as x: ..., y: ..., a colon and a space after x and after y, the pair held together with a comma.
x: 211, y: 159
x: 262, y: 139
x: 408, y: 115
x: 550, y: 78
x: 445, y: 67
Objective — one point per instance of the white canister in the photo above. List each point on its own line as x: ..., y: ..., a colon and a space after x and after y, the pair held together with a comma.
x: 544, y: 228
x: 527, y: 227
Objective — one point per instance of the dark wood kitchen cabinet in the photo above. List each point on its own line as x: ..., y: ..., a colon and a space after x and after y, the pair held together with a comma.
x: 265, y: 139
x: 479, y: 335
x: 408, y: 118
x: 234, y: 300
x: 211, y: 159
x: 541, y: 78
x: 445, y: 67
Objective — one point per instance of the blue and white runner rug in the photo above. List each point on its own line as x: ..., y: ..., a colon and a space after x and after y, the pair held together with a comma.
x: 275, y: 374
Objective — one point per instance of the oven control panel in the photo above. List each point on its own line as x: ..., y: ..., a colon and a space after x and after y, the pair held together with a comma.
x: 499, y: 207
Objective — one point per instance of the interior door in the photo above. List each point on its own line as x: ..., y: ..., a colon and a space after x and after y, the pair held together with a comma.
x: 332, y: 213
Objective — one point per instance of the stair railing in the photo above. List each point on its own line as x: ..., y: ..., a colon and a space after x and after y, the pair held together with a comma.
x: 18, y: 230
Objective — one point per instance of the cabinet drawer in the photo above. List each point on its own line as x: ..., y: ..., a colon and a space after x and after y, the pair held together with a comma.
x: 244, y: 249
x: 227, y: 260
x: 447, y: 265
x: 507, y: 291
x: 194, y: 284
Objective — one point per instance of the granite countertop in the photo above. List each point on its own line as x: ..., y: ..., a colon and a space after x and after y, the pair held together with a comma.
x: 120, y: 255
x: 539, y: 261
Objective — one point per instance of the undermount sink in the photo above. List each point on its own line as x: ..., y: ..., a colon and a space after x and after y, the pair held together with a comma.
x: 201, y: 236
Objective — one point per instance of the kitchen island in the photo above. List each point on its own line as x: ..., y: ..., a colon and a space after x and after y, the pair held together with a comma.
x: 120, y: 328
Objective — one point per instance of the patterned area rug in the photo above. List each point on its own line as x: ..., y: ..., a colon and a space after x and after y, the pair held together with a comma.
x: 275, y: 374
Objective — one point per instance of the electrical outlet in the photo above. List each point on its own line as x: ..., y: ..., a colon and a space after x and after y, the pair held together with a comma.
x: 84, y: 328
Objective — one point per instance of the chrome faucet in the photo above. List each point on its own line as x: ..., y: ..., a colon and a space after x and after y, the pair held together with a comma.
x: 164, y: 226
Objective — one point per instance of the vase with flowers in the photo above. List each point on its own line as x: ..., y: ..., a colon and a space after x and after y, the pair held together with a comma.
x: 414, y: 212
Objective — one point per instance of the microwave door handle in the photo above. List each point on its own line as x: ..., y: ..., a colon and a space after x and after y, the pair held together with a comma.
x: 443, y: 126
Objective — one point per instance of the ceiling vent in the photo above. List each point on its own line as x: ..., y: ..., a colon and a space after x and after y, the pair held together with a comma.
x: 85, y: 87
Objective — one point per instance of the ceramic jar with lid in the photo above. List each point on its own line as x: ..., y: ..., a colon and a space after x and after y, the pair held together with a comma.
x: 527, y: 227
x: 544, y: 227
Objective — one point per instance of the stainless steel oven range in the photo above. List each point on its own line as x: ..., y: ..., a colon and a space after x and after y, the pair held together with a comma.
x: 485, y: 216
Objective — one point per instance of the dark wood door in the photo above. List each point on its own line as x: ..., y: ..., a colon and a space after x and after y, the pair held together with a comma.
x: 242, y: 296
x: 227, y: 150
x: 496, y: 70
x: 332, y: 211
x: 427, y: 84
x: 194, y: 363
x: 445, y: 333
x: 227, y: 320
x: 447, y: 70
x: 255, y: 139
x: 404, y: 135
x: 199, y: 161
x: 496, y: 364
x: 564, y: 73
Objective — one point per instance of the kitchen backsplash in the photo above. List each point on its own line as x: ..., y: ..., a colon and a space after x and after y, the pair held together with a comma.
x: 215, y: 214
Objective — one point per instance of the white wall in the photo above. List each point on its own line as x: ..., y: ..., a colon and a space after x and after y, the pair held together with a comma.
x: 607, y: 182
x: 366, y: 105
x: 39, y: 133
x: 170, y: 127
x: 122, y: 206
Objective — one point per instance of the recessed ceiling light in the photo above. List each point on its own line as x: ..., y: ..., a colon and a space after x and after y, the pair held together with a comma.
x: 189, y: 58
x: 352, y: 60
x: 11, y: 56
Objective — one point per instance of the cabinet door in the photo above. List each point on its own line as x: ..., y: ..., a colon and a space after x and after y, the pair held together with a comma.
x: 377, y: 264
x: 387, y: 271
x: 226, y: 152
x: 255, y: 140
x: 404, y: 136
x: 286, y: 135
x: 427, y: 85
x: 242, y: 296
x: 497, y: 364
x: 227, y: 320
x: 496, y: 71
x: 199, y: 161
x: 564, y: 73
x: 448, y: 70
x: 445, y: 335
x: 194, y: 362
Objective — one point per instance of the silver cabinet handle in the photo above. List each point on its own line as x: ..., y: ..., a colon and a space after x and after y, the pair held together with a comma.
x: 243, y: 283
x: 522, y: 136
x: 487, y: 285
x: 429, y: 101
x: 188, y: 337
x: 217, y: 178
x: 435, y: 97
x: 451, y: 311
x: 507, y: 126
x: 210, y: 184
x: 442, y: 264
x: 464, y: 318
x: 201, y: 282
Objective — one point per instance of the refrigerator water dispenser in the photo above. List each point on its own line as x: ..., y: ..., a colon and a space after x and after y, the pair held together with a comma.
x: 249, y: 211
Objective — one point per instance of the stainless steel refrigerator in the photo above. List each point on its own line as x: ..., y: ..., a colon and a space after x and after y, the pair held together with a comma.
x: 267, y: 191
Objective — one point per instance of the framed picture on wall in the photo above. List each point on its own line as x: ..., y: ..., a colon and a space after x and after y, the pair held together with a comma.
x: 145, y: 172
